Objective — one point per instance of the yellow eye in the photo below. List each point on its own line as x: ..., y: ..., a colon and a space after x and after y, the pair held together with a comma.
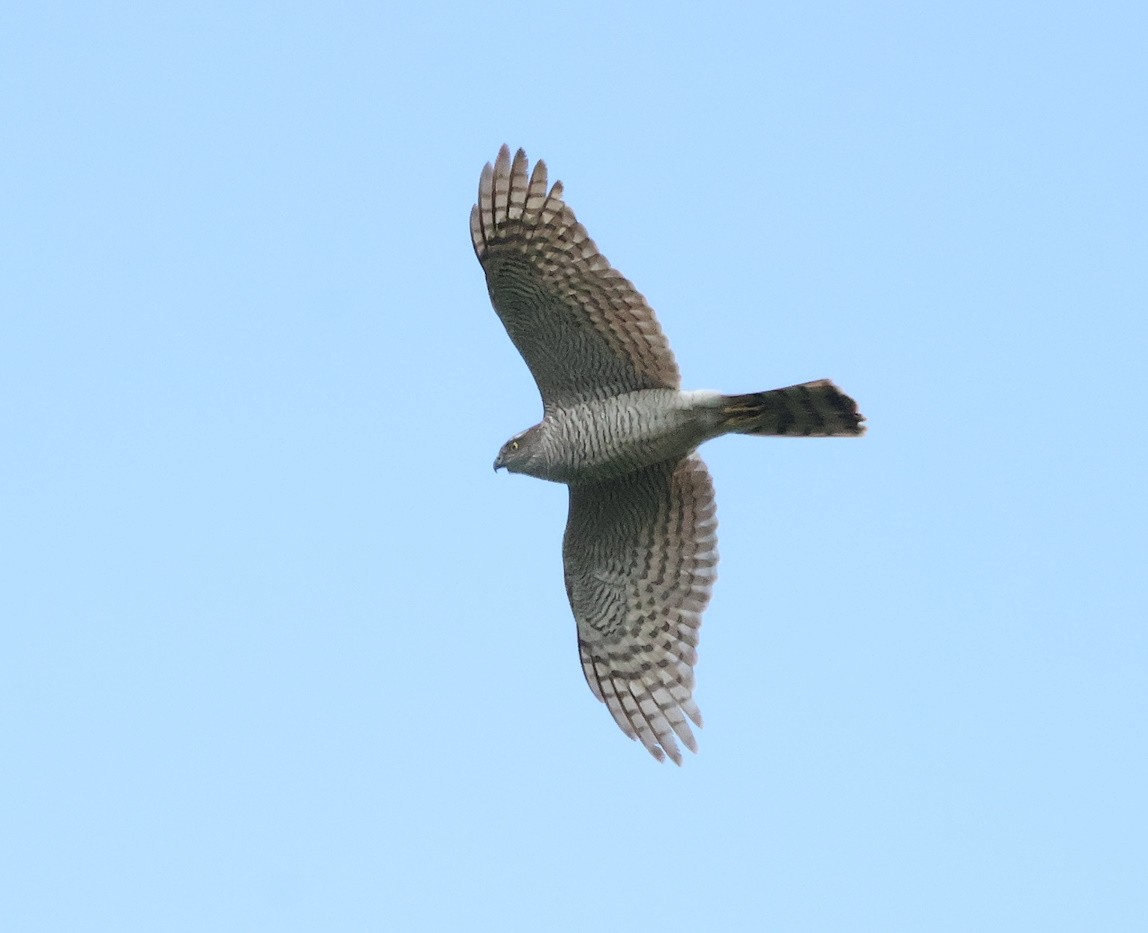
x: 514, y: 445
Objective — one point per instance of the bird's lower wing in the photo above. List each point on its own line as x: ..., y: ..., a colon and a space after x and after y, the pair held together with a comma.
x: 640, y: 556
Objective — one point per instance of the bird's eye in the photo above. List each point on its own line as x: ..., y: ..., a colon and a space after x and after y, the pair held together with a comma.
x: 514, y: 445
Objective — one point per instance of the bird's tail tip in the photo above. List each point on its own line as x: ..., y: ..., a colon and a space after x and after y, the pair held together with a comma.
x: 811, y: 409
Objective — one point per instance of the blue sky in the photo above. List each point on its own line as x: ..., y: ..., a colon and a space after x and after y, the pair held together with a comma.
x: 279, y: 650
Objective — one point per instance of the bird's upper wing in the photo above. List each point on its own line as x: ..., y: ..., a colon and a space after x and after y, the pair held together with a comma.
x: 583, y: 329
x: 640, y: 556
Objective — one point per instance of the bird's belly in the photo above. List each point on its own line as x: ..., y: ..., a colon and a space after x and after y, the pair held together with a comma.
x: 600, y: 440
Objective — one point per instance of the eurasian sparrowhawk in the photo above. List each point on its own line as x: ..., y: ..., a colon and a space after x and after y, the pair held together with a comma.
x: 640, y: 549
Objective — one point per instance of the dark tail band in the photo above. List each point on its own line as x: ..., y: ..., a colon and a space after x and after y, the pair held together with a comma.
x: 812, y: 409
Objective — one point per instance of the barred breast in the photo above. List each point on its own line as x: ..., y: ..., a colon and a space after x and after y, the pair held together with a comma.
x: 603, y: 439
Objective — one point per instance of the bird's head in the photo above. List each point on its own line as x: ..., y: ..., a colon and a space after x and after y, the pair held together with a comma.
x: 521, y: 454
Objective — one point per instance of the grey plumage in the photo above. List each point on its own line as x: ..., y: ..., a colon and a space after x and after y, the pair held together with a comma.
x: 640, y: 548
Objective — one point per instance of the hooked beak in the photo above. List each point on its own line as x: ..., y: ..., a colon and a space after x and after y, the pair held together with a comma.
x: 498, y: 463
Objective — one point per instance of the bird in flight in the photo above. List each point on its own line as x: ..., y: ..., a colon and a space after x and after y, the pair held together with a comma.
x: 640, y: 549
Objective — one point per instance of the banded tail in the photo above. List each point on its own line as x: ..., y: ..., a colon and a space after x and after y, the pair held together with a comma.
x: 812, y: 409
